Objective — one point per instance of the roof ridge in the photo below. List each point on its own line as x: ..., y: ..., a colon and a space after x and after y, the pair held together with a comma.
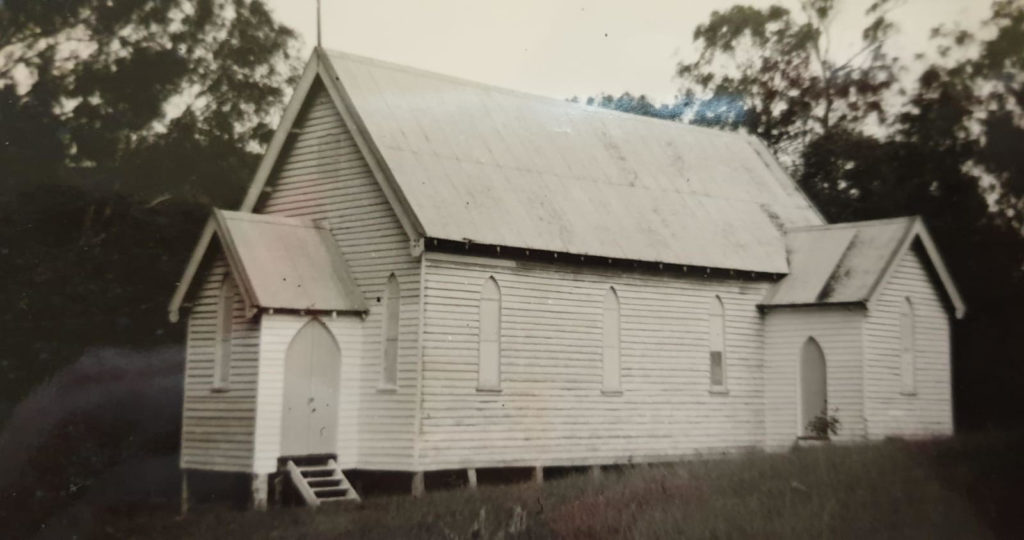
x: 836, y: 274
x: 857, y: 224
x: 529, y: 95
x: 279, y: 219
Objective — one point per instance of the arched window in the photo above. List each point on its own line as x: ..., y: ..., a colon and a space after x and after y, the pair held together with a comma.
x: 489, y: 370
x: 389, y: 332
x: 907, y: 346
x: 612, y: 378
x: 225, y: 322
x: 813, y: 385
x: 716, y: 343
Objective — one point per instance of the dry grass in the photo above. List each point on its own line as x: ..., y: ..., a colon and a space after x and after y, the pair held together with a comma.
x: 949, y: 489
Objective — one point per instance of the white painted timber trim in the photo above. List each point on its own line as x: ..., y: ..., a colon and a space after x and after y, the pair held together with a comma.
x: 418, y: 411
x: 174, y: 308
x: 302, y: 486
x: 367, y: 146
x: 235, y: 266
x: 918, y: 231
x: 277, y: 143
x: 781, y: 175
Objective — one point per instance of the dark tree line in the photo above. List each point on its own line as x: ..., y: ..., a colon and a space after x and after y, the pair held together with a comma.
x: 120, y: 124
x: 863, y: 144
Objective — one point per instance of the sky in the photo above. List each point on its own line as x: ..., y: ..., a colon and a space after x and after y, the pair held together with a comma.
x: 566, y: 48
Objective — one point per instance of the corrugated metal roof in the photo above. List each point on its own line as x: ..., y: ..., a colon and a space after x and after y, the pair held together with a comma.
x: 287, y: 263
x: 500, y: 167
x: 837, y: 264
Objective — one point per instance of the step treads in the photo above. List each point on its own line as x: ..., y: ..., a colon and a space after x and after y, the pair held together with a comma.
x: 317, y: 468
x: 330, y: 492
x: 321, y: 481
x: 325, y: 482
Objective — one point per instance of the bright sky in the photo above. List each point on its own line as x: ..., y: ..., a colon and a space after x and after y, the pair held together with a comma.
x: 562, y: 48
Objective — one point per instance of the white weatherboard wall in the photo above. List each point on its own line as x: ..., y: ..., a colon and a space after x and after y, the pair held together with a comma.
x: 322, y: 175
x: 838, y: 330
x: 930, y: 410
x: 551, y: 409
x: 276, y: 333
x: 218, y: 426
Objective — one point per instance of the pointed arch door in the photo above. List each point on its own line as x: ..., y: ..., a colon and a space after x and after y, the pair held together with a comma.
x: 309, y: 423
x: 813, y: 383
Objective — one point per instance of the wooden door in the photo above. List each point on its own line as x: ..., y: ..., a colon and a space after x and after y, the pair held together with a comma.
x: 813, y: 383
x: 309, y: 423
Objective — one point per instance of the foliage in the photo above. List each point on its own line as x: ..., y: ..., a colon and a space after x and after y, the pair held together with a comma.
x: 120, y: 124
x: 825, y: 424
x: 766, y: 71
x: 639, y: 105
x: 997, y: 76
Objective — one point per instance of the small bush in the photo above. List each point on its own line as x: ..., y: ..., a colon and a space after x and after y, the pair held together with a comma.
x: 824, y: 425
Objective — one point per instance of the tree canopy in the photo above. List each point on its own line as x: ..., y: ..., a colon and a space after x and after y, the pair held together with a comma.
x: 120, y: 124
x: 775, y: 74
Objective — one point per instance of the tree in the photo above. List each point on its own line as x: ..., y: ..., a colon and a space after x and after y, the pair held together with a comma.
x: 120, y: 124
x: 998, y: 79
x: 776, y: 76
x: 119, y: 78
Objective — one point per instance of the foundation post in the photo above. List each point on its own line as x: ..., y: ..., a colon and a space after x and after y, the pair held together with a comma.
x: 538, y: 474
x: 471, y: 476
x: 418, y: 485
x: 184, y: 492
x: 259, y: 492
x: 278, y: 489
x: 595, y: 472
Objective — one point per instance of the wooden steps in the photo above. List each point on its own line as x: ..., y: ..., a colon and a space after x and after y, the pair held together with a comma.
x: 320, y: 480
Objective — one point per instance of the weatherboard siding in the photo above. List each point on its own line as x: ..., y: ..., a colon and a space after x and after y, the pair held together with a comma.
x: 218, y: 426
x: 322, y: 175
x: 890, y: 412
x: 838, y: 331
x: 551, y: 408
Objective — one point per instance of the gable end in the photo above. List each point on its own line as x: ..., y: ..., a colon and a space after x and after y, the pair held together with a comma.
x: 918, y: 237
x: 317, y: 73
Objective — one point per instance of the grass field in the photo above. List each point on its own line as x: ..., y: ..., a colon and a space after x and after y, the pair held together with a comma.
x: 962, y: 488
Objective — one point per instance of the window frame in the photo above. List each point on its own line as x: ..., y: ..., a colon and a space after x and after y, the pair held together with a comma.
x: 390, y: 332
x: 489, y: 307
x: 226, y: 296
x: 908, y: 347
x: 611, y: 346
x: 717, y: 328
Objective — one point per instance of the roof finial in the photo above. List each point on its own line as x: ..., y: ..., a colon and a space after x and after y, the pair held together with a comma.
x: 318, y: 44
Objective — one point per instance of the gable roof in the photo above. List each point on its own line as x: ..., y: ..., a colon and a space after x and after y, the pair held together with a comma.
x: 285, y: 263
x: 499, y: 167
x: 462, y: 161
x: 848, y: 262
